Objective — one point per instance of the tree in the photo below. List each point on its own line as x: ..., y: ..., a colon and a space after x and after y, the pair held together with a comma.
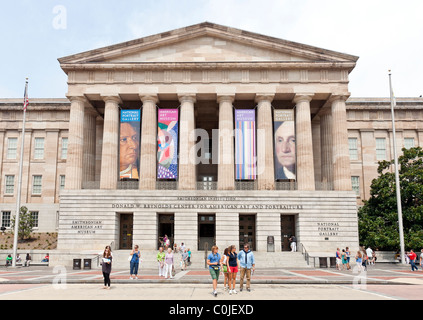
x: 26, y: 223
x: 378, y: 218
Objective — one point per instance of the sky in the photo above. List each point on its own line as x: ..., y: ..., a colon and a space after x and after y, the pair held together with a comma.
x: 384, y: 34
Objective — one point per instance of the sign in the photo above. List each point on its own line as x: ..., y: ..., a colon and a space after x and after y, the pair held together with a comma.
x: 129, y: 143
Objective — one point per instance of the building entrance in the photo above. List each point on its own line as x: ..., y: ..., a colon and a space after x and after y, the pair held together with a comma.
x: 166, y: 228
x: 247, y: 231
x: 126, y: 228
x: 287, y: 230
x: 206, y: 231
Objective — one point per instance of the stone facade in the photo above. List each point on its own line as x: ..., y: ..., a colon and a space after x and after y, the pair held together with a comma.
x: 205, y: 70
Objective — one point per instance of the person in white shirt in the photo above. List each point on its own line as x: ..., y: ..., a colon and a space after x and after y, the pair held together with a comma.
x: 369, y: 253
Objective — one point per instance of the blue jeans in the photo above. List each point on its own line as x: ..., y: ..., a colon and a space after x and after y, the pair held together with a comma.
x: 134, y: 267
x: 413, y: 265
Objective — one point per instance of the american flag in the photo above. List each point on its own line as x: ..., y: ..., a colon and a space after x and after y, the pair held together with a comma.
x: 26, y: 101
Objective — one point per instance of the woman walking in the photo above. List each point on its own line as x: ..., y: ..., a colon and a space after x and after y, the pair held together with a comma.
x: 134, y: 262
x: 168, y: 263
x: 224, y: 262
x: 106, y: 266
x: 233, y: 269
x: 359, y: 260
x: 161, y: 262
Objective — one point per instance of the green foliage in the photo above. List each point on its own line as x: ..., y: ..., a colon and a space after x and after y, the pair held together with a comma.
x: 26, y: 223
x: 378, y: 218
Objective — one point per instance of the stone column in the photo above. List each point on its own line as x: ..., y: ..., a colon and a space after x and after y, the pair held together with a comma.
x: 225, y: 171
x: 326, y: 149
x: 75, y: 160
x: 110, y: 153
x: 341, y: 158
x: 148, y: 147
x: 187, y: 161
x: 89, y: 145
x: 304, y: 143
x: 265, y: 154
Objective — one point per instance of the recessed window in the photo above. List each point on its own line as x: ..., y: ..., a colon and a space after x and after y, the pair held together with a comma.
x: 380, y: 149
x: 9, y: 185
x: 36, y: 184
x: 39, y: 148
x: 352, y: 144
x: 12, y: 148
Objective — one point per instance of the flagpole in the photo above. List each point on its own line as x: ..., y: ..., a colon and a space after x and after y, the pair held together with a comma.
x: 397, y: 183
x: 18, y: 197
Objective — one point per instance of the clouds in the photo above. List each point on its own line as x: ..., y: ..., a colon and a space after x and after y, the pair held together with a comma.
x: 384, y: 34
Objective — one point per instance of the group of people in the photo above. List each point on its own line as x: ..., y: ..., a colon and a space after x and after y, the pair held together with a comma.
x: 362, y: 258
x: 166, y: 260
x: 27, y: 261
x: 230, y: 263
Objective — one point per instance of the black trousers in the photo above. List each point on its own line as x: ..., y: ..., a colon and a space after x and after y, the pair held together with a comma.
x: 106, y: 279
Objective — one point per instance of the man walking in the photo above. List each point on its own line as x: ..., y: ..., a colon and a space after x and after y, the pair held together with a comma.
x: 247, y: 264
x: 413, y: 257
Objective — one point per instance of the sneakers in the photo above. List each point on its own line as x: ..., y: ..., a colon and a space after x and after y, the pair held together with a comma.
x: 214, y: 293
x: 232, y: 291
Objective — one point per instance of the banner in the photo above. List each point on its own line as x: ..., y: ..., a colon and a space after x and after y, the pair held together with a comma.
x: 285, y: 148
x: 245, y: 144
x: 167, y: 144
x: 129, y: 144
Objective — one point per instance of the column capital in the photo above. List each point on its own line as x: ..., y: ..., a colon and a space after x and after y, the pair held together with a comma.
x: 111, y: 98
x: 226, y: 98
x: 264, y: 97
x: 149, y: 97
x: 303, y: 97
x: 187, y: 97
x: 82, y: 99
x: 336, y: 97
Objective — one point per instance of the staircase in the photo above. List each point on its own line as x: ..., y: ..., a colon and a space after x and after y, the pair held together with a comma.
x: 264, y: 260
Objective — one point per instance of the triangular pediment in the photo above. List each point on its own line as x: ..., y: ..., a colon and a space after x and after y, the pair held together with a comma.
x: 206, y: 42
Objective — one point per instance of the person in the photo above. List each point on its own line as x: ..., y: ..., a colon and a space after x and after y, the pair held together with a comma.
x: 189, y: 256
x: 224, y: 263
x: 369, y: 253
x: 129, y: 150
x: 374, y: 257
x: 184, y: 260
x: 167, y: 241
x: 247, y: 266
x: 233, y: 265
x: 348, y: 255
x: 338, y: 259
x: 168, y: 264
x: 46, y: 258
x: 344, y: 259
x: 161, y: 262
x: 182, y: 247
x: 359, y: 260
x: 214, y: 263
x: 413, y: 257
x: 106, y: 266
x: 175, y: 248
x: 18, y: 258
x: 9, y: 260
x: 27, y: 260
x: 134, y: 262
x: 364, y: 260
x: 285, y: 158
x: 421, y: 259
x: 293, y: 244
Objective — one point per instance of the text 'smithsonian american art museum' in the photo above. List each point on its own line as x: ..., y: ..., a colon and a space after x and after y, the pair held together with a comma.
x: 207, y: 134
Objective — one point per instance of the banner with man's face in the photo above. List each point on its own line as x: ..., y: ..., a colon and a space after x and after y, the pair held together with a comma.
x: 129, y: 144
x: 167, y: 144
x: 285, y: 147
x: 245, y: 144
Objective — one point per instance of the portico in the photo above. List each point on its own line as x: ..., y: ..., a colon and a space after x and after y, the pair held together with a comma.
x: 207, y: 71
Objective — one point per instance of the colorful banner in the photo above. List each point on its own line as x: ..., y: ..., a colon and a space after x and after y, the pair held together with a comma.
x: 167, y: 144
x: 285, y: 148
x: 129, y: 144
x: 245, y: 144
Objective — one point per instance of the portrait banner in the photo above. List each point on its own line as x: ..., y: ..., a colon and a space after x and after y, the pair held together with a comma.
x: 245, y: 144
x: 167, y: 144
x: 285, y: 147
x: 129, y: 144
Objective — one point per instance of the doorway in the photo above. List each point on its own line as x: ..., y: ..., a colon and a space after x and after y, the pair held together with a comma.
x: 126, y: 228
x: 247, y: 230
x: 166, y: 227
x: 206, y: 231
x: 287, y: 230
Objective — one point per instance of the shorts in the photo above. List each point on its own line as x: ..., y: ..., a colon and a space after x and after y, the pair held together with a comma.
x: 233, y: 269
x: 214, y: 273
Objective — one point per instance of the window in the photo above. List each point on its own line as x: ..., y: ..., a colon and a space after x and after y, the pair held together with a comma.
x: 10, y: 185
x: 62, y: 182
x: 408, y: 143
x: 39, y: 148
x: 36, y: 185
x: 355, y: 182
x: 5, y: 219
x: 380, y: 149
x: 12, y: 147
x: 352, y: 144
x: 34, y: 216
x: 64, y: 148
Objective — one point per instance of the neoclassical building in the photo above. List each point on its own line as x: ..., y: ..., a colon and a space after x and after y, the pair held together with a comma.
x: 187, y: 133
